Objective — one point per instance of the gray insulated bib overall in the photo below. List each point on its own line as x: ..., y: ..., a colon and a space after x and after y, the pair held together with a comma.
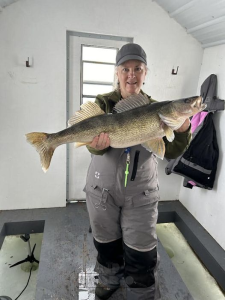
x: 123, y: 212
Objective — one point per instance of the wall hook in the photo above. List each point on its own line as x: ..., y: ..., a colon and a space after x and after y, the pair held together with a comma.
x: 175, y: 72
x: 27, y: 63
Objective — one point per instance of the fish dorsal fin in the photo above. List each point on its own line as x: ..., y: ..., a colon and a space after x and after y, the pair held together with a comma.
x: 131, y: 102
x: 88, y: 110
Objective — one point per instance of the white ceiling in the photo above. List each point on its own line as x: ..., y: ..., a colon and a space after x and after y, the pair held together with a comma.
x: 203, y: 19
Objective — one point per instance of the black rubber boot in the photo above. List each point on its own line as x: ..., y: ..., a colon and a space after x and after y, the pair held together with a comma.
x: 104, y: 292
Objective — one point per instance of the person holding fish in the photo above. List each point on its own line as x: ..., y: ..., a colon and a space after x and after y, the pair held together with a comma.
x: 123, y: 192
x: 125, y: 130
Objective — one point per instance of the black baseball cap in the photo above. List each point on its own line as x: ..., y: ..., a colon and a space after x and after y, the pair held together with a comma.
x: 131, y: 51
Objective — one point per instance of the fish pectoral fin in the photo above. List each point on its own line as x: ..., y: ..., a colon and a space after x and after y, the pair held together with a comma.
x: 168, y: 133
x: 157, y: 146
x: 77, y: 144
x: 88, y: 110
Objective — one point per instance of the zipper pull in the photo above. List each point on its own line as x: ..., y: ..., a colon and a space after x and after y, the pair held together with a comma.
x: 126, y: 174
x: 127, y: 165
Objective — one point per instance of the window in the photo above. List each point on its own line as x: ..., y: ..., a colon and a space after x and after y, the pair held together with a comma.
x: 97, y: 71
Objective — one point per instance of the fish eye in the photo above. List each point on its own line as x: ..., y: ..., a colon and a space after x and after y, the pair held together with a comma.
x: 187, y: 100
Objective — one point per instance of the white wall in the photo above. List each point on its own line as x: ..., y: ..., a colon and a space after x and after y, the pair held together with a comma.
x: 34, y: 99
x: 208, y: 207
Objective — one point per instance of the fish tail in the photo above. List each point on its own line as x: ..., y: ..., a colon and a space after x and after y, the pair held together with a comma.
x: 42, y: 146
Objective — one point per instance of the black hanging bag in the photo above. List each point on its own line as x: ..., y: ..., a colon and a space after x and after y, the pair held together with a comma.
x: 199, y: 162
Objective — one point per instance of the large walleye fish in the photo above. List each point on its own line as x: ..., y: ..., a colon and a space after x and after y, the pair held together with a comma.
x: 134, y: 122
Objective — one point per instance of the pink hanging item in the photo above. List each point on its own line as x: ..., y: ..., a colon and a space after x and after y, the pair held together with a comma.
x: 195, y: 122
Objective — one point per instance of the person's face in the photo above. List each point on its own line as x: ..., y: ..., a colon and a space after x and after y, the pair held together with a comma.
x: 131, y: 76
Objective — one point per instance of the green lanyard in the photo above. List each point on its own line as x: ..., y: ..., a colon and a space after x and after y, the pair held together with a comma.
x: 127, y: 165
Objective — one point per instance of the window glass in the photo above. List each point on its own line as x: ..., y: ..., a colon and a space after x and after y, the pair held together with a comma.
x: 99, y: 54
x: 95, y: 89
x: 98, y: 72
x: 98, y: 69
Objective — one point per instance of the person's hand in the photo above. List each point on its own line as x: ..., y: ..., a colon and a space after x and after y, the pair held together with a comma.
x: 100, y: 142
x: 184, y: 127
